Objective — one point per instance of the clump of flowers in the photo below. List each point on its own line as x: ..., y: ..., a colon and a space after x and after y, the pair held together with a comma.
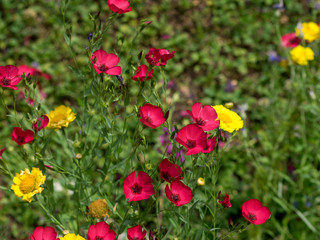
x: 61, y: 117
x: 159, y: 57
x: 229, y: 120
x: 27, y: 184
x: 301, y: 55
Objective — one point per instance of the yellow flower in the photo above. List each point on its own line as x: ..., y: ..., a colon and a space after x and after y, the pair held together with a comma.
x: 301, y: 55
x: 229, y: 120
x: 72, y: 236
x: 310, y: 31
x: 201, y: 181
x: 60, y: 117
x: 26, y: 184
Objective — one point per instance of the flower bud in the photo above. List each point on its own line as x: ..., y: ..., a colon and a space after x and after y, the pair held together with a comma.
x: 201, y: 181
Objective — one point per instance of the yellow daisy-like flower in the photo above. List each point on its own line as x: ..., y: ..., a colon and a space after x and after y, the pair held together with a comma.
x: 229, y: 120
x: 310, y: 31
x: 60, y: 117
x: 72, y: 236
x: 301, y: 55
x: 26, y: 184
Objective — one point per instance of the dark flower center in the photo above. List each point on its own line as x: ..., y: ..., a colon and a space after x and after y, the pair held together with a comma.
x: 175, y: 198
x: 102, y: 68
x: 5, y: 82
x: 136, y: 188
x: 252, y: 217
x: 191, y: 144
x: 148, y: 120
x: 98, y: 238
x: 20, y: 139
x: 200, y: 122
x: 166, y: 176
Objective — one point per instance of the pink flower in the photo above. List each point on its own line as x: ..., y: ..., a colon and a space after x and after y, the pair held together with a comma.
x: 136, y: 233
x: 101, y: 231
x: 41, y: 123
x: 226, y: 202
x: 141, y: 73
x: 170, y: 171
x: 151, y: 115
x: 205, y: 117
x: 139, y: 187
x: 119, y: 6
x: 32, y: 71
x: 178, y: 193
x: 106, y: 63
x: 193, y: 138
x: 44, y: 233
x: 9, y: 76
x: 22, y: 137
x: 254, y: 212
x: 1, y: 152
x: 159, y: 57
x: 290, y: 40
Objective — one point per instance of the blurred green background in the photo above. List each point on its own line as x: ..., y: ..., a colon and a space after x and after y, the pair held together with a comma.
x: 222, y: 55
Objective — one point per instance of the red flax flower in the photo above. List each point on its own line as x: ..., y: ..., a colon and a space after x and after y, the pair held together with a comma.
x: 32, y: 71
x: 139, y: 187
x: 22, y: 137
x: 41, y: 123
x: 1, y: 152
x: 9, y: 76
x: 254, y: 212
x: 205, y: 117
x: 136, y: 233
x: 141, y: 73
x: 290, y: 40
x: 226, y: 202
x: 119, y: 6
x: 44, y: 233
x: 101, y: 231
x: 151, y: 115
x: 193, y: 138
x: 169, y: 171
x: 178, y: 193
x: 159, y: 57
x: 106, y: 63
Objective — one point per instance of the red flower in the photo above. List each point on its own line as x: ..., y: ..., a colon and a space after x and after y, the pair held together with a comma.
x: 211, y: 143
x: 290, y: 40
x: 119, y: 6
x: 136, y: 233
x: 22, y: 137
x: 205, y: 117
x: 44, y: 233
x: 151, y: 115
x: 254, y: 212
x: 178, y: 193
x: 170, y: 171
x: 141, y: 73
x: 226, y: 202
x: 1, y: 152
x: 106, y: 63
x: 41, y: 123
x: 9, y: 76
x: 32, y: 71
x: 101, y: 231
x: 193, y: 138
x: 159, y: 57
x: 138, y: 188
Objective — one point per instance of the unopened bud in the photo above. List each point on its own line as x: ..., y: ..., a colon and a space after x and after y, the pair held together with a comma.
x: 228, y: 105
x: 78, y: 156
x: 201, y: 181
